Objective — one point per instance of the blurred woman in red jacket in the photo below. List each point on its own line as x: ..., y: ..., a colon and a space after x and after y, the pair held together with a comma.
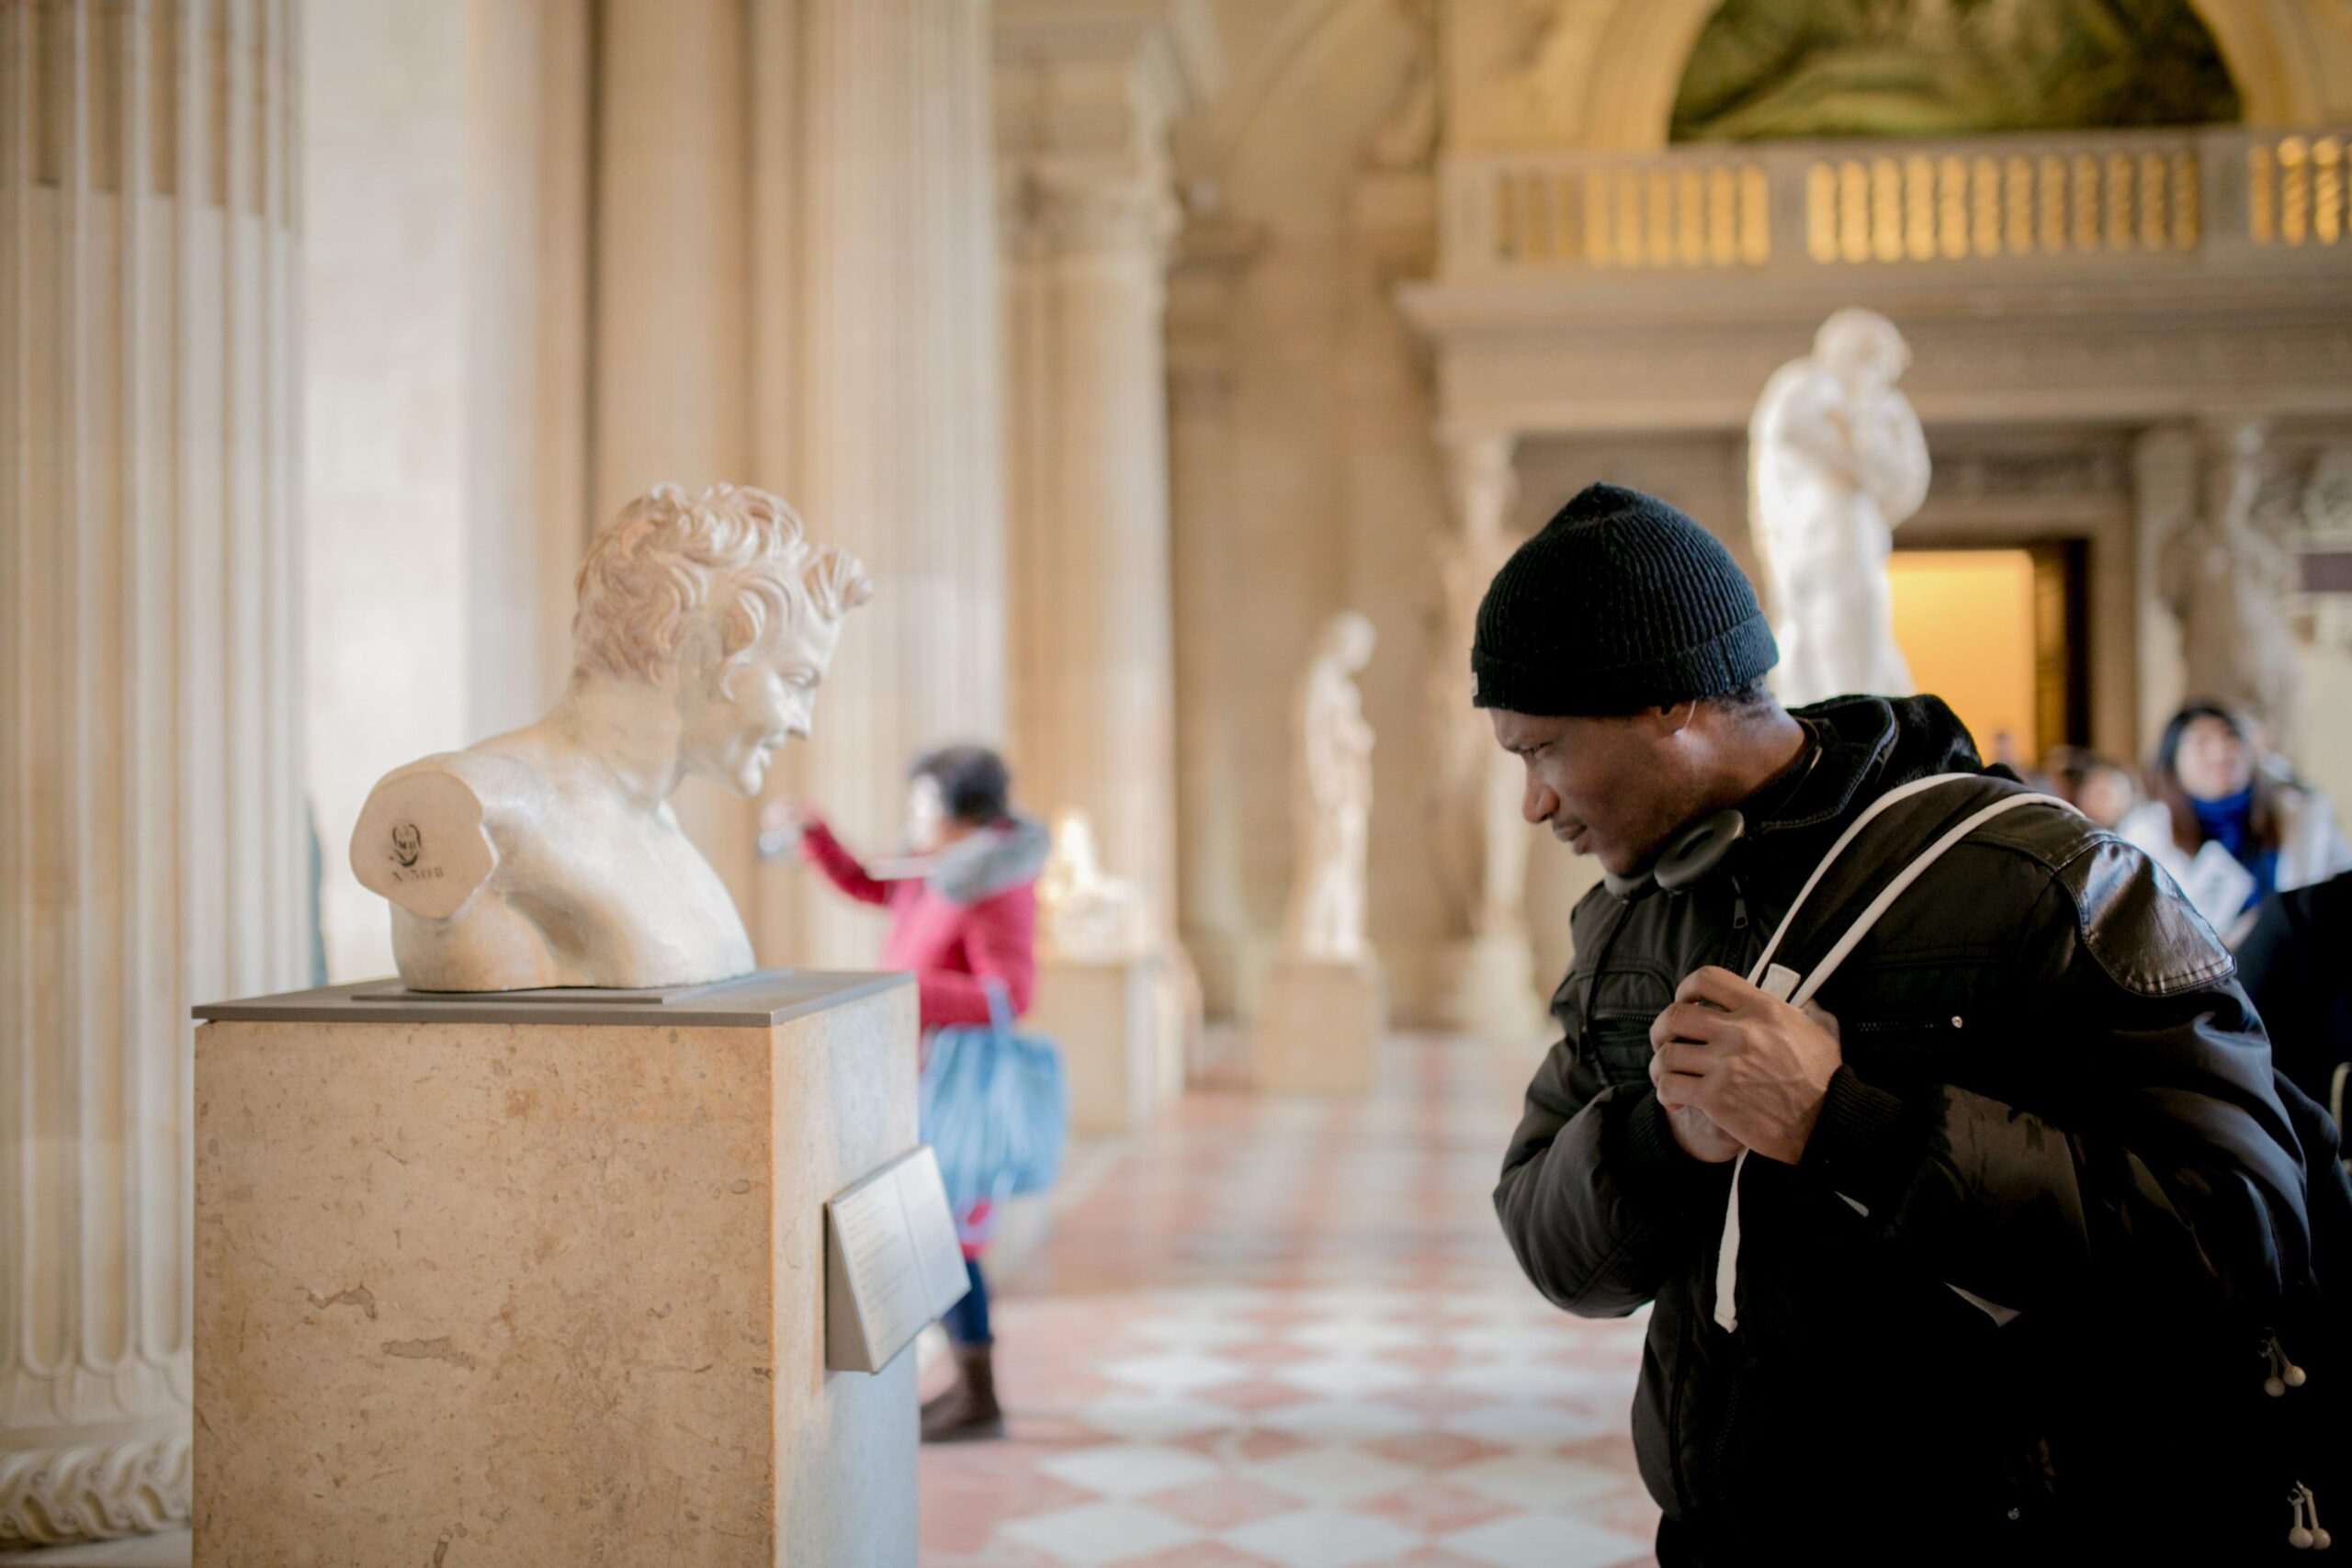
x: 965, y: 924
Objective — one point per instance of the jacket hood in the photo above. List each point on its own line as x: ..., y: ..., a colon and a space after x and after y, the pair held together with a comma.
x: 992, y: 861
x: 1869, y: 745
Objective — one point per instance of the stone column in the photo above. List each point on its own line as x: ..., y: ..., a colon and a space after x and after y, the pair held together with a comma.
x: 151, y: 816
x: 1212, y: 914
x: 896, y: 429
x: 1084, y: 104
x: 1486, y: 982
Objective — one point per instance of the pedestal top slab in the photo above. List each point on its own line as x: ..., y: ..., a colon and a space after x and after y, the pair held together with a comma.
x: 750, y: 1001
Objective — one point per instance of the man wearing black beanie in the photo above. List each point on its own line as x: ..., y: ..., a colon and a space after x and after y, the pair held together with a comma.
x: 2005, y: 1203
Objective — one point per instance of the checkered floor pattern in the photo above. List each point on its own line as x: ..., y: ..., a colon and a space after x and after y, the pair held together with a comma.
x: 1287, y: 1334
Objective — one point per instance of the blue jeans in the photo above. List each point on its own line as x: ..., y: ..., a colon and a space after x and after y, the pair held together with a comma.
x: 968, y: 1321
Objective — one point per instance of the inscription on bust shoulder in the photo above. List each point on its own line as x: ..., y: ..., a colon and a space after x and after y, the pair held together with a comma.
x: 408, y: 852
x: 430, y: 848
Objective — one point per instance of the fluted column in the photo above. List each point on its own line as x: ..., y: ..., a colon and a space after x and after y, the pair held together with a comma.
x: 1485, y: 980
x: 1084, y: 107
x: 898, y: 419
x: 1093, y: 674
x: 1213, y: 911
x: 151, y: 823
x: 1093, y: 681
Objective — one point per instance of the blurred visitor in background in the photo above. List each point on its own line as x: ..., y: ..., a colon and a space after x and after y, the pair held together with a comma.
x: 964, y: 924
x: 2100, y: 787
x: 2292, y: 965
x: 2231, y: 832
x: 2106, y: 793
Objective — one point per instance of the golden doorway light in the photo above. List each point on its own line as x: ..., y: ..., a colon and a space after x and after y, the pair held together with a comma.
x: 1996, y: 634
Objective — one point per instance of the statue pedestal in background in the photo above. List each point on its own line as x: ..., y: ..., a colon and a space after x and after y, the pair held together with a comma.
x: 1113, y: 1001
x: 1124, y: 1055
x: 547, y: 1271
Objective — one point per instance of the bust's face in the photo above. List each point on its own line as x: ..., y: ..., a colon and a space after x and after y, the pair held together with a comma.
x: 731, y: 735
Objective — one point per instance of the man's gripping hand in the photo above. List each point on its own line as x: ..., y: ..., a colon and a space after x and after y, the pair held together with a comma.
x: 1755, y: 1070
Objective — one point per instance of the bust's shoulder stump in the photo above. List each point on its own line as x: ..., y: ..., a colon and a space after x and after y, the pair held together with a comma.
x: 422, y: 840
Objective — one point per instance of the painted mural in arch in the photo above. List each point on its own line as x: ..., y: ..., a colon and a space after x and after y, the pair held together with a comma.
x: 1783, y: 68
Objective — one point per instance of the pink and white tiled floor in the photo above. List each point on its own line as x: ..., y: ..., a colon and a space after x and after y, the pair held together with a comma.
x: 1287, y: 1334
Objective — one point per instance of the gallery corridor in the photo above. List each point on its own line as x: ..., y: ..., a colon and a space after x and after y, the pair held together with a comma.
x: 1288, y: 1332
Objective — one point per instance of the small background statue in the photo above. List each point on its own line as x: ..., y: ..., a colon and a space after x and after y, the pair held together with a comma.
x: 549, y: 856
x: 2229, y: 580
x: 1332, y: 799
x: 1475, y: 786
x: 1836, y: 462
x: 1089, y: 915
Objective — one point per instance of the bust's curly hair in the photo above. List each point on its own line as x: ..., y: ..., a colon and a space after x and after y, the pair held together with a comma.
x: 669, y: 561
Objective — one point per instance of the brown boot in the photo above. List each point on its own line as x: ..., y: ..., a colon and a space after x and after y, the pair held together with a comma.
x: 968, y: 1412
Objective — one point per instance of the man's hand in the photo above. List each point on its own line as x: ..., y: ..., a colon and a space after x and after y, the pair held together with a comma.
x: 1756, y: 1068
x: 783, y: 824
x: 1698, y: 1134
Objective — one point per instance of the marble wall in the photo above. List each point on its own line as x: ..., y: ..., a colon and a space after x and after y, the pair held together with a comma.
x: 441, y: 351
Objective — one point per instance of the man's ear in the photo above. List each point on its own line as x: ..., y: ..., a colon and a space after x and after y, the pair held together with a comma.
x: 1667, y: 719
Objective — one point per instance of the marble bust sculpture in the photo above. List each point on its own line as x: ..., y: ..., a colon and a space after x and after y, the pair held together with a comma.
x: 1836, y: 462
x: 1332, y: 799
x: 549, y: 856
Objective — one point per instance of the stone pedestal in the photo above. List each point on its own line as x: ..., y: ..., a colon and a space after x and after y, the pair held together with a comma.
x: 1122, y: 1060
x: 539, y: 1278
x: 1317, y: 1023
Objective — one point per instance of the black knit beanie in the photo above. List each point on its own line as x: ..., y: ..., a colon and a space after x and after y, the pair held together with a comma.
x: 1620, y: 603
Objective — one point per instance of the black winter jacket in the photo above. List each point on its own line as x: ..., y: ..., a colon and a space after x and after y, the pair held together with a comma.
x: 2054, y: 1098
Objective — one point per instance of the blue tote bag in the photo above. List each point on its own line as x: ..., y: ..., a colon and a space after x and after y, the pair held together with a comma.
x: 995, y: 1108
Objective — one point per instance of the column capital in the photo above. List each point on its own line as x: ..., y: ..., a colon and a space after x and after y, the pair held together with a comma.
x: 1080, y: 210
x: 1087, y: 93
x: 1147, y: 62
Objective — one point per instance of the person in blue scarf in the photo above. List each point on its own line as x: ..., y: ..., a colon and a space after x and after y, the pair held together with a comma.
x: 2230, y: 833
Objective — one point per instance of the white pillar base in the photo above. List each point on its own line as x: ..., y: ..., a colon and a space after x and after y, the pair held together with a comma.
x: 1124, y: 1063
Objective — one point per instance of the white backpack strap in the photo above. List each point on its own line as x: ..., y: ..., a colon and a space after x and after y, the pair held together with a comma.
x: 1728, y: 1254
x: 1902, y: 882
x: 1781, y: 982
x: 1870, y: 814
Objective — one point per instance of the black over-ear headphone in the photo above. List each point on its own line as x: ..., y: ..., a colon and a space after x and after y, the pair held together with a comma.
x: 1688, y: 856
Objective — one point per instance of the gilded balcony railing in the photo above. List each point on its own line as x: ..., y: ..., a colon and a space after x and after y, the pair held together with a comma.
x: 2295, y: 190
x: 2092, y: 201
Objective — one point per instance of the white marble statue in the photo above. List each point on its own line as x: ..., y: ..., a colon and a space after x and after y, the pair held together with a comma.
x: 549, y: 856
x: 1089, y: 915
x: 1836, y: 463
x: 2228, y: 579
x: 1332, y: 799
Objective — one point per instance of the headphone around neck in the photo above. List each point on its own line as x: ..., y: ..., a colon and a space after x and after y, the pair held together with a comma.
x: 1690, y: 854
